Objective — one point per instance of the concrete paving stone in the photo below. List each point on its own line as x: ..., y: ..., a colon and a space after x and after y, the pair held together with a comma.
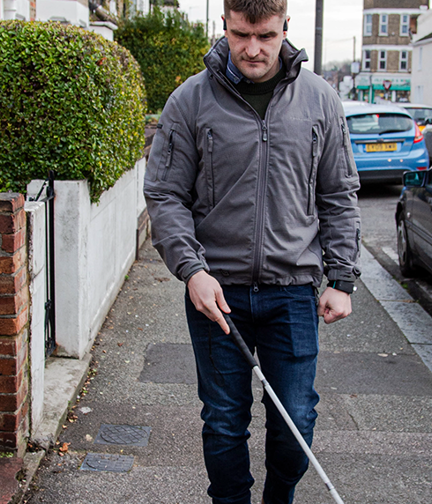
x: 369, y: 479
x: 415, y: 323
x: 373, y: 442
x: 169, y: 363
x: 425, y: 352
x: 367, y: 329
x: 390, y: 413
x: 371, y: 373
x: 65, y: 484
x: 378, y: 281
x: 333, y: 414
x: 63, y: 378
x: 175, y: 437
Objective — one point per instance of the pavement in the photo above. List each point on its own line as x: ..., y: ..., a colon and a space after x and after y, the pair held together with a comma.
x: 134, y: 432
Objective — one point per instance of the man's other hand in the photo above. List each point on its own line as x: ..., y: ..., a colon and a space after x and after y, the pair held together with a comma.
x: 207, y: 296
x: 334, y: 305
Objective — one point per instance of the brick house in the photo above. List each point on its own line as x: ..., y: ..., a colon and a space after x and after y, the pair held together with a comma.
x: 388, y: 27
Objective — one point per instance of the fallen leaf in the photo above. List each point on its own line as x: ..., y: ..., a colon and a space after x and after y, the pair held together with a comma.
x: 64, y: 447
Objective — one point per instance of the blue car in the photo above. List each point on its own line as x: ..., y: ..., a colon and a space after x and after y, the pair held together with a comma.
x: 386, y: 142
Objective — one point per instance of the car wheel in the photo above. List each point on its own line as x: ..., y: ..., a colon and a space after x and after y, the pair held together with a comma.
x: 404, y: 251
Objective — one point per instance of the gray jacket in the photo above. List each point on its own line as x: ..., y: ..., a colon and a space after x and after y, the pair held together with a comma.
x: 252, y: 201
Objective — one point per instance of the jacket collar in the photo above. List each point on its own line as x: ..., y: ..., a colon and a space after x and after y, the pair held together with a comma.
x: 216, y: 59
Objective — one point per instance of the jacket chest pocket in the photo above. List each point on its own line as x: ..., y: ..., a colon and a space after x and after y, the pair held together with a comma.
x: 313, y: 173
x: 209, y: 167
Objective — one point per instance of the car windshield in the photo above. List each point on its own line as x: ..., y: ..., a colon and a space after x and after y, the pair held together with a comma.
x: 420, y: 115
x: 379, y: 123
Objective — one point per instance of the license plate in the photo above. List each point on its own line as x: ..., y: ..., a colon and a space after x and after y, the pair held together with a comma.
x: 381, y: 147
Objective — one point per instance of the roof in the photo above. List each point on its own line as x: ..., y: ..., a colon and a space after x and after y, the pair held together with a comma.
x: 415, y: 105
x: 360, y: 108
x: 426, y: 37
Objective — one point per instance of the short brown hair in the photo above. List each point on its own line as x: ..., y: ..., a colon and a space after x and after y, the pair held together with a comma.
x: 256, y: 10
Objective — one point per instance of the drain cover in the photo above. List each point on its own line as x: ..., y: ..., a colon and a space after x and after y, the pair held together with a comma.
x: 107, y: 462
x: 132, y: 435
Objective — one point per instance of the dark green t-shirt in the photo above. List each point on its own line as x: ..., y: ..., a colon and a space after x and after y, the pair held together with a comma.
x: 258, y: 95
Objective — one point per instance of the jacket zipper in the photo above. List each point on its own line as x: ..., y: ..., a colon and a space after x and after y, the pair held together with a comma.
x: 345, y: 147
x: 311, y: 176
x: 210, y: 142
x: 169, y: 155
x: 262, y: 178
x: 260, y: 214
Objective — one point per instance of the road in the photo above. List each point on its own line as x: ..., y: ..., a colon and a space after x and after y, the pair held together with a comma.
x: 378, y: 206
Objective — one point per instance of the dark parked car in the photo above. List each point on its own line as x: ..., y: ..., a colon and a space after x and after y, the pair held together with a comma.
x: 414, y: 222
x: 386, y: 142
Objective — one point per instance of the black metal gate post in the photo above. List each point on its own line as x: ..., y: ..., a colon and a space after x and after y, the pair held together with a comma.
x: 50, y: 322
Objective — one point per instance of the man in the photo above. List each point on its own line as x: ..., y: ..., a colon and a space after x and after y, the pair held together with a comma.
x: 251, y: 190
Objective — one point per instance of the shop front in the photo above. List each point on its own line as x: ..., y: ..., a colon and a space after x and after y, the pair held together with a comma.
x: 374, y: 88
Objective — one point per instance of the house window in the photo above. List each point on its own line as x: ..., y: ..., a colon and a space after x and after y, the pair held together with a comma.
x: 403, y: 61
x: 383, y: 26
x: 367, y: 29
x: 382, y: 62
x: 404, y: 25
x: 366, y: 60
x: 420, y: 59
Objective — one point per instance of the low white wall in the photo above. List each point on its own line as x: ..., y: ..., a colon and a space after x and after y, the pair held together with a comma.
x: 73, y: 11
x: 37, y: 287
x: 95, y: 248
x: 16, y: 9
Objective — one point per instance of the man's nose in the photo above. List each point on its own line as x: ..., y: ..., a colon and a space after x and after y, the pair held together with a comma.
x: 252, y: 48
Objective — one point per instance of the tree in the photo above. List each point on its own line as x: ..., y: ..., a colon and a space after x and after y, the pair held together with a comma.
x: 168, y: 48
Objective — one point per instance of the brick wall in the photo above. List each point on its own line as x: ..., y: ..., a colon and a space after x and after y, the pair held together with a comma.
x: 394, y: 4
x: 14, y: 309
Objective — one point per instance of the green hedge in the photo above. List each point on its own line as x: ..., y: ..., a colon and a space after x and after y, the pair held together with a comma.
x: 168, y: 49
x: 70, y: 101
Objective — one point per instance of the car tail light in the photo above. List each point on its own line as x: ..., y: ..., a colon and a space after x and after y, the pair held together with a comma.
x: 418, y: 135
x: 421, y: 167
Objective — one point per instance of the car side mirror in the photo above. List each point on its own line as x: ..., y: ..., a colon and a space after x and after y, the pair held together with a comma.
x: 414, y: 179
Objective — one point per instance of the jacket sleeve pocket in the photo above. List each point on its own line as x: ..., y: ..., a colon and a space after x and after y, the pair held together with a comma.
x: 162, y: 152
x: 347, y: 150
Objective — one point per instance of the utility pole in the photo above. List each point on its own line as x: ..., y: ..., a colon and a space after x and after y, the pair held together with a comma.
x: 319, y: 10
x: 207, y: 19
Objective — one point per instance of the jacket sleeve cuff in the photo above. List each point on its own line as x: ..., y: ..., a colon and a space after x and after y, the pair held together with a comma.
x: 334, y: 275
x: 189, y: 271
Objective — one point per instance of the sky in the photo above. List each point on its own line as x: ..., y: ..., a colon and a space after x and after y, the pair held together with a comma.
x: 342, y: 22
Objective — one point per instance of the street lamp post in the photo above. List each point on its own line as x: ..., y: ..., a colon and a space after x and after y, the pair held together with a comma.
x: 319, y: 9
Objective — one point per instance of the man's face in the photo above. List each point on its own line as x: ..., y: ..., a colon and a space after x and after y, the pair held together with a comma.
x: 255, y: 47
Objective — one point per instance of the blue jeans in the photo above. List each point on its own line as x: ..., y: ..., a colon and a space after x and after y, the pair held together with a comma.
x: 281, y: 323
